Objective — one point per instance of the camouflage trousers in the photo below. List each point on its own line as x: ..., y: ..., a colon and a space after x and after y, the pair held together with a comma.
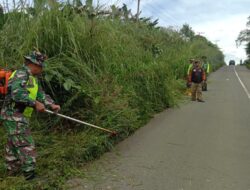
x: 20, y: 149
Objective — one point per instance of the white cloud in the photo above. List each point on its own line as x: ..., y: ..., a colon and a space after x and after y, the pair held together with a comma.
x: 224, y: 32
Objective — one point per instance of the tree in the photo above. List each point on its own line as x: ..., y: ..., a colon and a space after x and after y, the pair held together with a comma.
x: 2, y: 19
x: 244, y: 36
x: 187, y: 32
x: 248, y: 50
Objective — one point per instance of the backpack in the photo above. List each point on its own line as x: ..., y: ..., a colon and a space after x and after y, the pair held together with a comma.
x: 196, y: 76
x: 4, y: 79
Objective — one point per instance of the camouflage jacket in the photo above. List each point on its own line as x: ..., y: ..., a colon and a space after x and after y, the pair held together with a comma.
x: 18, y: 98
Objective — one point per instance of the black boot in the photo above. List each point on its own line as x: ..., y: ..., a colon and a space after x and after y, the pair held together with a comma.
x: 13, y: 173
x: 199, y: 100
x: 29, y: 175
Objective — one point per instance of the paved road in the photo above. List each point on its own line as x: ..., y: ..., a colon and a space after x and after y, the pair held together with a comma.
x: 199, y: 146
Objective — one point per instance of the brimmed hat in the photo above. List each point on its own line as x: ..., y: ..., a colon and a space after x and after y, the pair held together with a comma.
x: 37, y: 58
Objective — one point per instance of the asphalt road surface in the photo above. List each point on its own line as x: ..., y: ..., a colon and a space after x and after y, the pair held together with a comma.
x: 199, y: 146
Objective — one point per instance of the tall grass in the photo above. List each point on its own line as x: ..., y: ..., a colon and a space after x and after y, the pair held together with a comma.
x: 111, y: 72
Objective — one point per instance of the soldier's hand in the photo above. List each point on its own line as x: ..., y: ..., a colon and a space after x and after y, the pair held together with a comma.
x: 40, y: 106
x: 55, y: 107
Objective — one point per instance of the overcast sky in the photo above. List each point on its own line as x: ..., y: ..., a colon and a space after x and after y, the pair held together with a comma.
x: 220, y: 21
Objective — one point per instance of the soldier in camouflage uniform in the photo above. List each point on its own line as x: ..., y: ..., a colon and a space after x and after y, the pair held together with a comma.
x: 24, y: 95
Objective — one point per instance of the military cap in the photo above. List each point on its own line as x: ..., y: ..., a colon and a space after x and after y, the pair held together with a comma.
x: 37, y: 58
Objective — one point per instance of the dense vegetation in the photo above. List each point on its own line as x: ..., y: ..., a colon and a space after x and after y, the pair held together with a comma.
x: 104, y: 67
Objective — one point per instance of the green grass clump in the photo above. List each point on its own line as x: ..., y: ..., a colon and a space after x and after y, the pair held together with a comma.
x: 248, y: 65
x: 109, y: 71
